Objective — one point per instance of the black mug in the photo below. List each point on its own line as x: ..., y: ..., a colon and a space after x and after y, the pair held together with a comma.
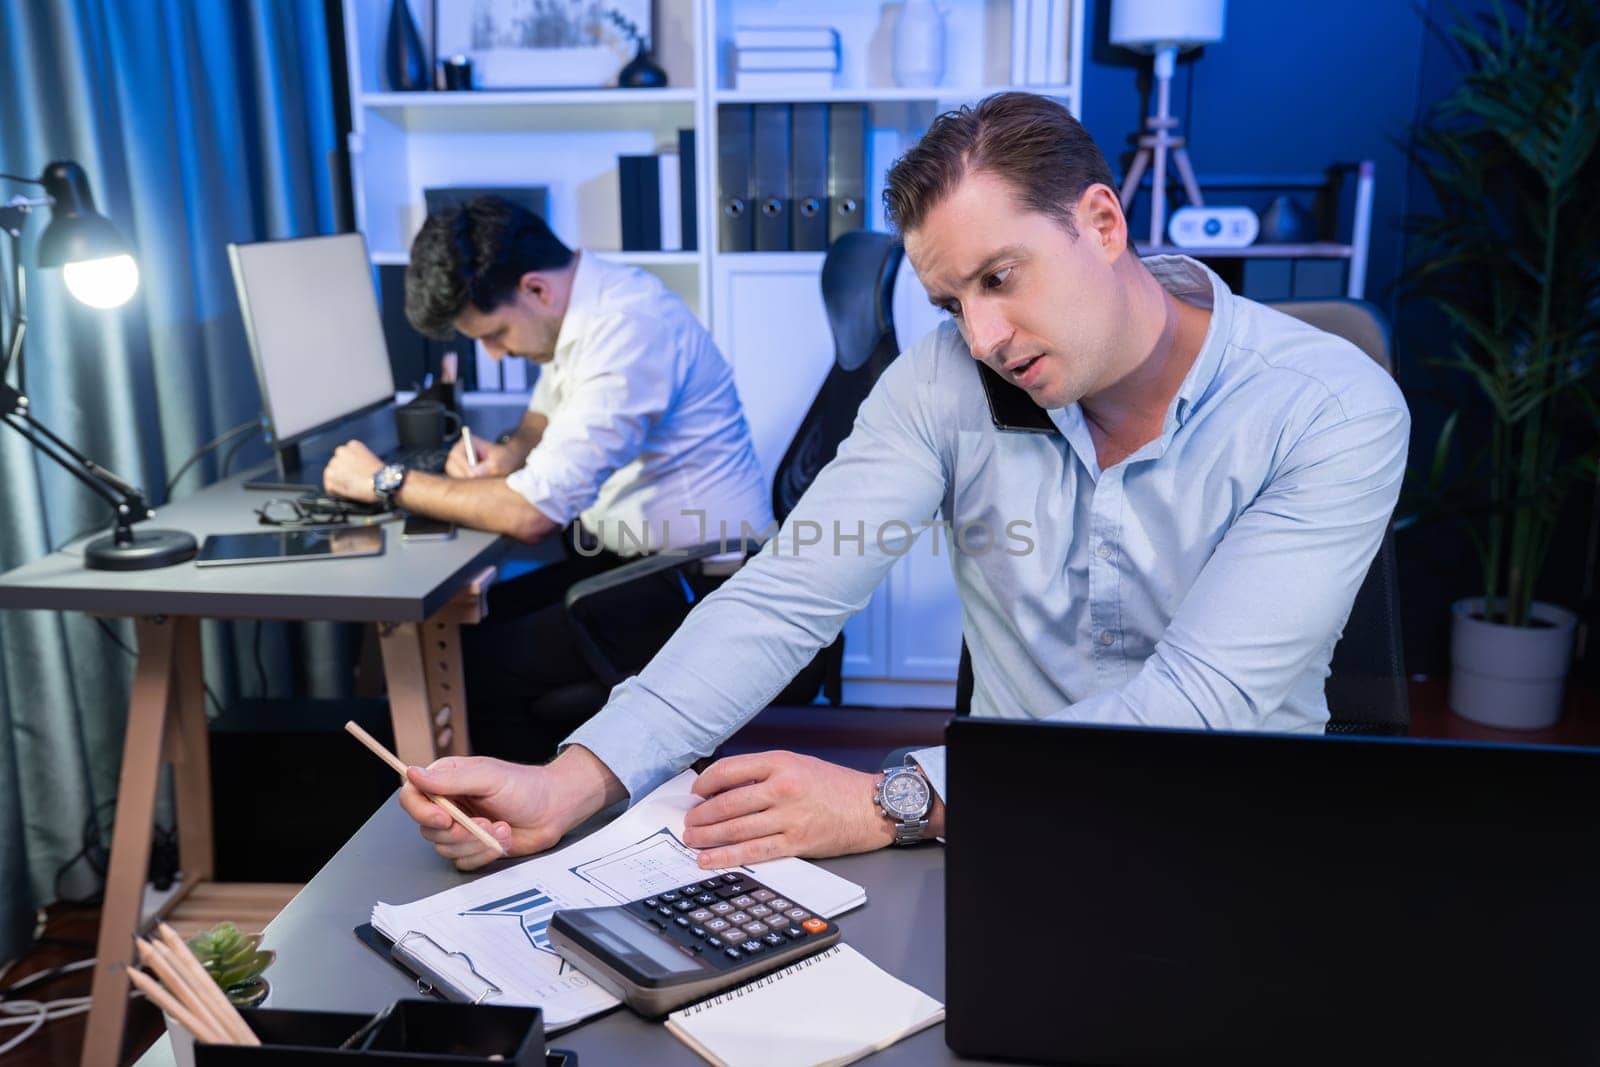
x: 457, y: 72
x: 424, y: 425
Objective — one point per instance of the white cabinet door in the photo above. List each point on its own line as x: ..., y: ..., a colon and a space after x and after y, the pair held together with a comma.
x: 770, y: 323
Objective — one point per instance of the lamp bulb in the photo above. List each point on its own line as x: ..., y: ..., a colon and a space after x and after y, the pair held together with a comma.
x: 102, y: 283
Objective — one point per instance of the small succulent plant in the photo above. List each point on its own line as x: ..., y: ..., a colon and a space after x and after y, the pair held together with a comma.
x: 234, y: 961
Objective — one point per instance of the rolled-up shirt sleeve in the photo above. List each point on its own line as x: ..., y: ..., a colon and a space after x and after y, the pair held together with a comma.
x: 620, y: 390
x: 1279, y: 586
x: 742, y: 644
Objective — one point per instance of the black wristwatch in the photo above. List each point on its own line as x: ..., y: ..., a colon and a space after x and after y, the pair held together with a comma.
x: 905, y: 797
x: 387, y: 482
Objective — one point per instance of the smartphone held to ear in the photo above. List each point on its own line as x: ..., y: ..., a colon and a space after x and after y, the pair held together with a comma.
x: 422, y: 528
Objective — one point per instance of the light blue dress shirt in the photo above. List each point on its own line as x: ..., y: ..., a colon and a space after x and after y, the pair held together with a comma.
x: 1202, y: 581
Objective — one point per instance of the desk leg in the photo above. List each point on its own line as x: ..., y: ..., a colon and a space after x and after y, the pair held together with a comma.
x: 427, y: 697
x: 149, y: 709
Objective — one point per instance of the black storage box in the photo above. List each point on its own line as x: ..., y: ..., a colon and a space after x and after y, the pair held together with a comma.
x: 412, y: 1033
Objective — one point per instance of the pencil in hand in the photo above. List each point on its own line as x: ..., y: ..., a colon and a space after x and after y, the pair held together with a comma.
x: 377, y: 749
x: 472, y: 456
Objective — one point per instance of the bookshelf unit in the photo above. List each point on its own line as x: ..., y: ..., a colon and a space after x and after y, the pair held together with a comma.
x: 763, y: 308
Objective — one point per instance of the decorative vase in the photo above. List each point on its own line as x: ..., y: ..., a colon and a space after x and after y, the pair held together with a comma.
x: 1287, y: 222
x: 641, y: 72
x: 1511, y: 677
x: 404, y: 60
x: 918, y: 57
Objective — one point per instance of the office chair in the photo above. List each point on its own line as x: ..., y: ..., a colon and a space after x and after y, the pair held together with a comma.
x: 1366, y: 685
x: 858, y: 277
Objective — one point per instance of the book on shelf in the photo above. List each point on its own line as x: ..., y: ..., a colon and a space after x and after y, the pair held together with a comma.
x: 805, y: 81
x: 656, y: 195
x: 749, y: 37
x: 788, y: 59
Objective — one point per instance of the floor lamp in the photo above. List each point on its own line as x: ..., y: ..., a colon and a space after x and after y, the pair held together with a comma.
x: 99, y: 271
x: 1163, y: 28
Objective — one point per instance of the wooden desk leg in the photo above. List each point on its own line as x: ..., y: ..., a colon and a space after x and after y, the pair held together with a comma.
x: 192, y: 765
x: 148, y: 710
x: 427, y: 695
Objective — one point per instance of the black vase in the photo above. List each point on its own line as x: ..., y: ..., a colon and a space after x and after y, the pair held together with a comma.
x: 404, y: 61
x: 642, y: 72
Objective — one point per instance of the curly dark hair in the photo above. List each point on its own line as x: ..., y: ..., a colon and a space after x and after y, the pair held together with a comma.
x: 1029, y: 141
x: 475, y: 253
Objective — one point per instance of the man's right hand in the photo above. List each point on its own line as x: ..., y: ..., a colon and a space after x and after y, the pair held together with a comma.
x: 526, y: 808
x: 494, y: 461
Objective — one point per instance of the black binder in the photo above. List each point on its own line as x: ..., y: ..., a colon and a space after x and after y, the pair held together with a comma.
x: 735, y: 138
x: 772, y: 177
x: 640, y: 184
x: 847, y: 169
x: 808, y: 227
x: 686, y: 191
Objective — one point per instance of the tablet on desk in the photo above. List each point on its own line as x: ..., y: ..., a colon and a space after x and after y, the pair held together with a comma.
x: 277, y: 546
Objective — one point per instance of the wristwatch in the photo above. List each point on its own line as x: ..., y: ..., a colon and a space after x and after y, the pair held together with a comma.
x: 387, y: 482
x: 905, y: 798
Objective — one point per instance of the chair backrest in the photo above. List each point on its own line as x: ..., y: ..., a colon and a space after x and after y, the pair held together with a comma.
x: 857, y: 290
x: 1366, y: 685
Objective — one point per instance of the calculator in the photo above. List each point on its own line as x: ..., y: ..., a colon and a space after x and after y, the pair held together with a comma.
x: 688, y: 943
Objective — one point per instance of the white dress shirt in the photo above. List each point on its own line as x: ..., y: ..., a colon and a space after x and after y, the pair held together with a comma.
x: 1202, y: 581
x: 647, y: 442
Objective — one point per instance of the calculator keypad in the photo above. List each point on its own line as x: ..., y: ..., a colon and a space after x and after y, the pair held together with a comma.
x: 730, y: 917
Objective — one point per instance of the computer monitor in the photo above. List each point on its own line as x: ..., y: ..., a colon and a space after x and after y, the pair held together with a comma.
x: 1123, y: 895
x: 311, y: 315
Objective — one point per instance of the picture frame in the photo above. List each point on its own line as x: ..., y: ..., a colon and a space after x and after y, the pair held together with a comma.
x: 542, y: 44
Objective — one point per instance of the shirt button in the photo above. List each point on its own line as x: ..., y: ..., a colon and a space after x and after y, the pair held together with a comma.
x: 1104, y: 551
x: 1107, y: 637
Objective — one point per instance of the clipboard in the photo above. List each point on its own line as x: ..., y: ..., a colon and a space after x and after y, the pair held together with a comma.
x: 437, y: 971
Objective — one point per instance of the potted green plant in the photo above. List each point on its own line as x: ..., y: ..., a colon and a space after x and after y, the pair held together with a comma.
x: 1512, y: 259
x: 235, y: 961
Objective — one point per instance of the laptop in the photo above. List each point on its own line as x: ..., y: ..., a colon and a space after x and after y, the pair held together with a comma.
x: 1123, y: 895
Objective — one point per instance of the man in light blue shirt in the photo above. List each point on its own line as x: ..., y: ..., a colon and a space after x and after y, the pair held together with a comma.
x: 1176, y: 541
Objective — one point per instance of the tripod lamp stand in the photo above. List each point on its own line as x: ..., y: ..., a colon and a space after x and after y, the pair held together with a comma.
x: 99, y: 271
x: 1163, y: 28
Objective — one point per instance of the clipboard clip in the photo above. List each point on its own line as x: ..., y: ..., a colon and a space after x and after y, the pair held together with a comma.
x: 431, y: 972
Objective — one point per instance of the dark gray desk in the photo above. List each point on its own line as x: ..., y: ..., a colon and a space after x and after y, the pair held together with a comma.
x: 413, y: 592
x: 322, y: 966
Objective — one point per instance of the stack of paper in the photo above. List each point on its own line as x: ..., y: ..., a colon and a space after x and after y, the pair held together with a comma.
x: 488, y: 938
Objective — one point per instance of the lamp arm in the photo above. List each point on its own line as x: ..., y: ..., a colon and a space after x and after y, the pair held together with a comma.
x: 128, y: 500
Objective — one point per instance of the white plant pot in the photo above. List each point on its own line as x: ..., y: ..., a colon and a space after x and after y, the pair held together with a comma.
x: 1512, y: 677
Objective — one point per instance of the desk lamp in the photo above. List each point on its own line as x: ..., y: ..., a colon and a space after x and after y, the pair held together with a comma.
x: 1163, y: 28
x: 99, y: 271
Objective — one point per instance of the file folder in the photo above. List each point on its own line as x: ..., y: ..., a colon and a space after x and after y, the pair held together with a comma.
x: 772, y: 151
x: 847, y: 169
x: 686, y: 191
x: 639, y: 179
x: 735, y: 138
x: 809, y: 226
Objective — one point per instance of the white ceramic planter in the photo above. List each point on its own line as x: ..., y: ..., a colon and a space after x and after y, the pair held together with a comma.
x: 1512, y: 677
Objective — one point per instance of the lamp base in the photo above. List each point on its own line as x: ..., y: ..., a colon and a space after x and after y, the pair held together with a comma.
x: 148, y: 550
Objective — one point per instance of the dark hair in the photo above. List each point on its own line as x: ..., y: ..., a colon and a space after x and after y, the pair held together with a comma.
x: 477, y: 253
x: 1031, y: 142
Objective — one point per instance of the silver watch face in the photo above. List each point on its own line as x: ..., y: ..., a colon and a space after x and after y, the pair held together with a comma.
x: 389, y: 478
x: 906, y: 795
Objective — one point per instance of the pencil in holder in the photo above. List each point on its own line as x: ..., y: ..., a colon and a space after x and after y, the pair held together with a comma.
x: 405, y: 1034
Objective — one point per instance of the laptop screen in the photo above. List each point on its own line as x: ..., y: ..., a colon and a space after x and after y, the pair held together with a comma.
x: 311, y: 314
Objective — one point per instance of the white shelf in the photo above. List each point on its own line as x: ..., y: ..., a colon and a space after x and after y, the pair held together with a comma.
x: 1313, y: 250
x: 545, y: 109
x: 635, y: 259
x: 482, y: 98
x: 890, y: 94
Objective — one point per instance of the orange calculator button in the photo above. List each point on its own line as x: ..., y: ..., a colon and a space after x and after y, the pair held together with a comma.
x: 814, y: 925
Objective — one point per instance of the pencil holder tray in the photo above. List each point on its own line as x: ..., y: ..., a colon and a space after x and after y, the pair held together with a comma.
x: 414, y: 1032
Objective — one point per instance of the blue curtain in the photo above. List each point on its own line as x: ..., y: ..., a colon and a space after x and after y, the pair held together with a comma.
x: 199, y: 122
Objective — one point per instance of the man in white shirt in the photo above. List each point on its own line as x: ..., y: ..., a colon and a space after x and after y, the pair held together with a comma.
x: 1173, y: 535
x: 634, y: 439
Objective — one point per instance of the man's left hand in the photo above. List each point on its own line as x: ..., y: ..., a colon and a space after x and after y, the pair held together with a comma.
x: 349, y: 473
x: 771, y: 804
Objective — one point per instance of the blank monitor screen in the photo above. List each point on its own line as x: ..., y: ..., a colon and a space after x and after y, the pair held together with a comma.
x: 311, y: 313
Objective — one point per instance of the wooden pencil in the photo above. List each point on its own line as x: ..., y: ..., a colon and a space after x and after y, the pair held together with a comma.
x: 169, y: 1004
x: 158, y: 958
x: 206, y: 987
x: 377, y: 749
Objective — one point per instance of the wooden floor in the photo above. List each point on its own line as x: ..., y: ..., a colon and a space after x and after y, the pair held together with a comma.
x: 855, y: 737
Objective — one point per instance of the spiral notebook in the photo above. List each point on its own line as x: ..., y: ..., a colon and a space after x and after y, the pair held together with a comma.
x: 829, y: 1009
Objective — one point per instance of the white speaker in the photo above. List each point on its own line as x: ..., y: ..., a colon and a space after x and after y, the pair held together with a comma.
x: 1213, y: 227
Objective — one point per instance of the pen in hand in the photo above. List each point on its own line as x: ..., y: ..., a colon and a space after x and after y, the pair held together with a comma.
x: 466, y: 439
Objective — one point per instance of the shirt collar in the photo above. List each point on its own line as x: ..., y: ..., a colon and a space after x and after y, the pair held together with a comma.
x: 1194, y: 283
x: 582, y: 301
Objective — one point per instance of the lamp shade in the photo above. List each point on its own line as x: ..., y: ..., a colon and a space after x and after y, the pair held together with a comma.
x: 1147, y: 25
x: 99, y: 266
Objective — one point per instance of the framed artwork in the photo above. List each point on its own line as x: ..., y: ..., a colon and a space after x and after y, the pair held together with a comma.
x: 542, y: 44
